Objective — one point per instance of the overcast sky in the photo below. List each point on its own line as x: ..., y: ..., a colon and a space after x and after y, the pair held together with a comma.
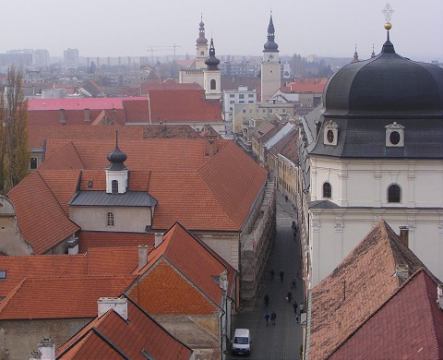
x: 321, y: 27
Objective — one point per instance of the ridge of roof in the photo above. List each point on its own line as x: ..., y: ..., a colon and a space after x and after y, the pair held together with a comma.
x: 402, y: 286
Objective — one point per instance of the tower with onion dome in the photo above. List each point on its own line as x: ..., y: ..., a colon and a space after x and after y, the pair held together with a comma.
x: 212, y: 75
x: 201, y: 45
x: 116, y: 172
x: 270, y: 67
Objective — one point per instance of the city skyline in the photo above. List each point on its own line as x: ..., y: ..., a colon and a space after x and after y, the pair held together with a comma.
x: 323, y: 28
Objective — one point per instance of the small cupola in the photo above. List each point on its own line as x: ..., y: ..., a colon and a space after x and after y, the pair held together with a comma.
x: 212, y: 62
x: 117, y: 172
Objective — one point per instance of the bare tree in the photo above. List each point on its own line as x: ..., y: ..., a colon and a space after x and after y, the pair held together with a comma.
x: 14, y: 155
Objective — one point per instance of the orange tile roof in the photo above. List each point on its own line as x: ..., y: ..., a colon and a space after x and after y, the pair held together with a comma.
x: 164, y: 290
x: 188, y: 254
x: 124, y: 338
x: 227, y: 183
x: 100, y: 239
x: 40, y: 216
x: 188, y: 106
x: 356, y: 288
x: 122, y: 260
x: 66, y: 157
x: 70, y: 297
x: 307, y: 85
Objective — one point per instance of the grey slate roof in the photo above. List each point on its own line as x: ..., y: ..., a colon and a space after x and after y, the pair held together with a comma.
x: 101, y: 198
x: 323, y: 204
x: 363, y: 97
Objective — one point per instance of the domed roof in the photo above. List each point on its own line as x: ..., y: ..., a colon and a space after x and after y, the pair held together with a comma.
x: 212, y: 62
x: 201, y: 40
x: 387, y: 85
x: 117, y: 157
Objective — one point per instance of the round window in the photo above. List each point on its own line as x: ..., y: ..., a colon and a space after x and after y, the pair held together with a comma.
x: 394, y: 137
x: 330, y: 136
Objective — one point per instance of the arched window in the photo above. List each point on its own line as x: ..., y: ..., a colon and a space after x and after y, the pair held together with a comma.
x: 327, y: 190
x: 213, y: 84
x: 394, y: 193
x: 114, y: 186
x: 110, y: 219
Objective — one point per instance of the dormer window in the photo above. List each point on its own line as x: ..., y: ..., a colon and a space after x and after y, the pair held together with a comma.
x: 330, y: 136
x: 395, y: 135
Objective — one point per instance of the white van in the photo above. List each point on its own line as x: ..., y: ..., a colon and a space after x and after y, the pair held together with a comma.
x: 242, y: 342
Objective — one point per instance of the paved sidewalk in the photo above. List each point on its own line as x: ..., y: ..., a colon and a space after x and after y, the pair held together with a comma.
x: 283, y: 340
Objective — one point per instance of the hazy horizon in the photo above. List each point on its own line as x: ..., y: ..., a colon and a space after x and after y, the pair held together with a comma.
x: 321, y: 27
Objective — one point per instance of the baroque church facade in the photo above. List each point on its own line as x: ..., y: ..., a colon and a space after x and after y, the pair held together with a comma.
x: 375, y: 150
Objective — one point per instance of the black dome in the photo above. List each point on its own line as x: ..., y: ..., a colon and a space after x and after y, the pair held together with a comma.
x: 387, y: 85
x: 211, y: 61
x: 270, y: 46
x: 117, y: 159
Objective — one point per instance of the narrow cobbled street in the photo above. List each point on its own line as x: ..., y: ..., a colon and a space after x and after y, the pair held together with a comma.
x: 283, y: 340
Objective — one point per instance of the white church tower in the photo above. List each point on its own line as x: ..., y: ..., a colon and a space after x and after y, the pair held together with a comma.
x: 201, y: 47
x: 270, y: 67
x: 212, y: 75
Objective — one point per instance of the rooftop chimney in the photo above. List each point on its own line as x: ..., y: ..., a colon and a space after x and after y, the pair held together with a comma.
x: 87, y: 115
x: 404, y: 235
x: 158, y: 239
x: 119, y: 305
x: 402, y: 271
x: 142, y: 255
x: 62, y: 118
x: 46, y: 348
x: 211, y: 146
x: 440, y: 296
x: 73, y: 246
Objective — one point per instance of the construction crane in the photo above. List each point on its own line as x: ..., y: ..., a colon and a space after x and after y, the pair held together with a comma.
x: 153, y: 49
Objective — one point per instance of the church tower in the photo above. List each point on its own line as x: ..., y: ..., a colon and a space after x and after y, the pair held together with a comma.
x: 212, y: 75
x: 201, y: 45
x: 270, y: 67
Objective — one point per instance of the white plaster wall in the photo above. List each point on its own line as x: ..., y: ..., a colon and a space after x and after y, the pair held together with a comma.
x: 94, y: 218
x: 365, y: 182
x: 189, y: 77
x: 335, y: 233
x: 209, y: 75
x: 224, y: 244
x: 270, y: 79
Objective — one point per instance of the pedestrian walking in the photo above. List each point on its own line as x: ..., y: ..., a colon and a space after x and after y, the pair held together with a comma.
x: 271, y: 272
x: 294, y: 305
x: 267, y: 316
x: 289, y: 297
x: 282, y: 276
x: 266, y: 299
x: 273, y: 318
x: 294, y: 284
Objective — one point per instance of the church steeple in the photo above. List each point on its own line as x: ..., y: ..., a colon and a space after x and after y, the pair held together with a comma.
x: 201, y: 40
x: 212, y: 62
x: 271, y: 45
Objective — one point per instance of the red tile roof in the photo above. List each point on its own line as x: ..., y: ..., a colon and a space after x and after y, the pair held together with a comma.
x: 183, y: 106
x: 168, y: 85
x: 227, y: 183
x: 70, y: 297
x: 356, y: 289
x: 95, y: 239
x: 122, y: 260
x: 409, y: 325
x: 315, y: 86
x: 111, y: 334
x: 163, y: 289
x: 191, y: 257
x: 41, y: 218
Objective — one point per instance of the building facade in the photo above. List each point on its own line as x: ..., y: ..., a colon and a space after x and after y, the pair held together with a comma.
x: 375, y: 152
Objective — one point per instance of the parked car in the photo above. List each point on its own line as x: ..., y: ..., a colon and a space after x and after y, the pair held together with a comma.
x: 242, y: 342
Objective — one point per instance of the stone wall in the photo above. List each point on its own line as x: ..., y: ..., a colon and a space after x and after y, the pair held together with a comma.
x: 255, y: 245
x: 200, y: 332
x: 19, y: 337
